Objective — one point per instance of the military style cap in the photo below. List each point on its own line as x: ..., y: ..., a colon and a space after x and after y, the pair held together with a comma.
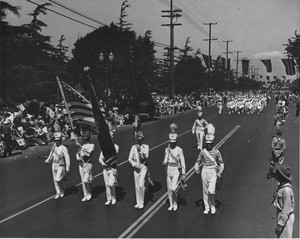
x: 173, y: 126
x: 285, y: 171
x: 173, y: 137
x: 57, y: 136
x: 209, y: 138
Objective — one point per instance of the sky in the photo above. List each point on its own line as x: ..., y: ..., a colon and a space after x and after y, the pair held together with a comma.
x: 257, y: 28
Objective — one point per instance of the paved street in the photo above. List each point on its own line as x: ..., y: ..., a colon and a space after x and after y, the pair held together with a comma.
x: 244, y: 200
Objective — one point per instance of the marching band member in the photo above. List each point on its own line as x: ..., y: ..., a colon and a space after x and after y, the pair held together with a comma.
x: 175, y: 170
x: 198, y: 128
x: 110, y: 175
x: 83, y: 157
x: 211, y: 161
x: 220, y: 105
x: 60, y: 159
x: 138, y: 156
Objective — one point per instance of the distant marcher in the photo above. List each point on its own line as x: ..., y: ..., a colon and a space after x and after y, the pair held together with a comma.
x: 198, y: 128
x: 278, y: 147
x: 6, y: 130
x: 60, y: 159
x: 283, y: 199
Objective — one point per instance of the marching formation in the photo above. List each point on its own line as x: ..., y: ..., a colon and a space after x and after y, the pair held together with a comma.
x: 209, y: 164
x: 247, y: 104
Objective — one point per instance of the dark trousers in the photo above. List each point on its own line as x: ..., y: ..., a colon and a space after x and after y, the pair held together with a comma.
x: 8, y: 145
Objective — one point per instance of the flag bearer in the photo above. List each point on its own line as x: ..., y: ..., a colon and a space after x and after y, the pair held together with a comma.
x: 83, y: 157
x: 175, y: 170
x: 60, y: 159
x: 110, y: 175
x: 138, y: 156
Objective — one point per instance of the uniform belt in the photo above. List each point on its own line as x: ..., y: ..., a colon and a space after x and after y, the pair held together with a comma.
x: 172, y: 164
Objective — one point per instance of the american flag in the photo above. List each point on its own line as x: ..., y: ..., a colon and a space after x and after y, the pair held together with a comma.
x: 80, y: 108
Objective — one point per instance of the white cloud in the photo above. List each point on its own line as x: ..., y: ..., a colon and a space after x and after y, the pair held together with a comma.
x: 267, y: 55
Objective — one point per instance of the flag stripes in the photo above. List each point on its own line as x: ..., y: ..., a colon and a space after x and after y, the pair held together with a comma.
x: 289, y: 66
x: 80, y: 108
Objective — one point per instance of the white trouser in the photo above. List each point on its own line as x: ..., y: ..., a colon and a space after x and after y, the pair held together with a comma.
x: 220, y: 107
x: 110, y: 178
x: 209, y: 180
x: 172, y: 183
x: 58, y: 173
x: 86, y: 178
x: 288, y: 229
x: 200, y: 137
x: 139, y: 181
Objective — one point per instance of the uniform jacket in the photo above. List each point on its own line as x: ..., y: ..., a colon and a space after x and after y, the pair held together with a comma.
x: 136, y: 151
x: 179, y: 162
x: 284, y: 200
x: 59, y: 154
x: 204, y: 160
x: 85, y: 152
x: 278, y: 145
x: 199, y: 125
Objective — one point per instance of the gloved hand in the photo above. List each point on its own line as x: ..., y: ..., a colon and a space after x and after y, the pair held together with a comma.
x: 183, y: 177
x: 67, y: 169
x: 278, y: 230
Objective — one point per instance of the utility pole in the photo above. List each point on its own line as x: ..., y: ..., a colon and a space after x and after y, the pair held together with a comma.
x: 227, y: 52
x: 237, y: 63
x: 209, y: 44
x: 173, y: 14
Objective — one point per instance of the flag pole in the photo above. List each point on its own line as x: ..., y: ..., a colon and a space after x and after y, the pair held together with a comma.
x: 65, y: 101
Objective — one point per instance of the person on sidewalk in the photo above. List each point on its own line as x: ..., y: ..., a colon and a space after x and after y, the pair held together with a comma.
x: 284, y: 201
x: 175, y: 170
x: 110, y: 175
x: 60, y: 159
x: 139, y: 153
x: 211, y: 165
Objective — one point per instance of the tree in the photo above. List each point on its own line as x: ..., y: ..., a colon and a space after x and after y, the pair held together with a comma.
x: 124, y: 25
x: 293, y: 47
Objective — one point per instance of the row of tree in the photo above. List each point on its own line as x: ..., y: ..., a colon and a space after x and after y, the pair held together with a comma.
x: 30, y: 63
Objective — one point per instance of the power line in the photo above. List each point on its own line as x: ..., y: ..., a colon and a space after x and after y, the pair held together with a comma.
x: 64, y: 15
x: 76, y: 12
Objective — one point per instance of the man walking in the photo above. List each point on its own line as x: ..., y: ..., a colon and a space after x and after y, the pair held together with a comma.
x: 284, y: 202
x: 211, y: 161
x: 138, y: 156
x: 175, y: 170
x: 60, y: 159
x: 198, y: 128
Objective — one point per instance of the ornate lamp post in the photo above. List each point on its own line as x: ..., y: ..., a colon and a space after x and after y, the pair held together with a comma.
x: 107, y: 59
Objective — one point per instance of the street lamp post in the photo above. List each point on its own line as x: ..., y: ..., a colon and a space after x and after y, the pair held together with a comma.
x: 107, y: 60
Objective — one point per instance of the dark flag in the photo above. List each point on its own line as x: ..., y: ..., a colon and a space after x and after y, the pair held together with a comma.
x: 289, y: 66
x: 79, y: 108
x: 245, y: 66
x: 268, y: 65
x: 207, y: 61
x: 228, y: 64
x: 260, y: 76
x: 142, y: 94
x: 104, y: 138
x: 275, y: 77
x: 283, y: 77
x: 268, y: 77
x: 223, y: 63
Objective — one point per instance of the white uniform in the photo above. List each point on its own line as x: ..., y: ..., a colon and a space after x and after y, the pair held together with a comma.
x: 174, y: 159
x: 60, y: 164
x: 138, y: 159
x: 198, y: 129
x: 110, y: 177
x: 85, y: 167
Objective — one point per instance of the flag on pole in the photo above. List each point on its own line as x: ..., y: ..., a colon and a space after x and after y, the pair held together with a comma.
x: 245, y: 66
x: 207, y: 61
x: 289, y: 66
x: 103, y: 134
x: 268, y: 65
x: 79, y: 107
